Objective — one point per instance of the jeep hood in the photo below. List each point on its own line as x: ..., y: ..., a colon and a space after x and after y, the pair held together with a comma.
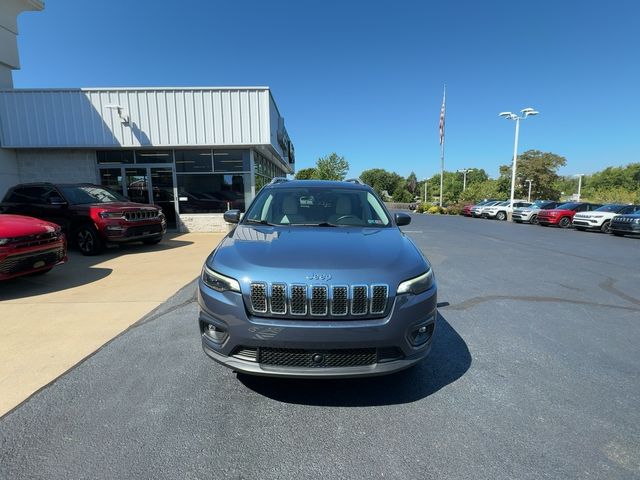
x: 295, y: 254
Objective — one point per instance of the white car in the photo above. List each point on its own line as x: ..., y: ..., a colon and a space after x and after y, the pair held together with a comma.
x: 530, y: 214
x: 477, y: 210
x: 600, y: 218
x: 500, y: 211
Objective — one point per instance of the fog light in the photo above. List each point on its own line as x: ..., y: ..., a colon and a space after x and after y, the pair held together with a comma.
x: 215, y: 333
x: 421, y: 334
x: 114, y: 228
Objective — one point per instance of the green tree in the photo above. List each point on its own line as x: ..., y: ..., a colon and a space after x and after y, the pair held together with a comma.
x: 306, y: 174
x: 381, y: 180
x: 331, y: 167
x: 480, y: 190
x: 412, y: 183
x: 541, y: 168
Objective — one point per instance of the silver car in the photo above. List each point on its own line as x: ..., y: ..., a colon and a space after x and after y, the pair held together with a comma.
x: 530, y: 214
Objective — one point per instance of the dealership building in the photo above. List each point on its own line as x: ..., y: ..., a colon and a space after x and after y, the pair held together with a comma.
x: 196, y: 152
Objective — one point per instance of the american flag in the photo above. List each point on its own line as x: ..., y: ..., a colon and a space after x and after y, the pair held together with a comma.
x: 442, y: 111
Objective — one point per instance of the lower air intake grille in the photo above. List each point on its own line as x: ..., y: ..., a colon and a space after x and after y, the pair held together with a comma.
x: 289, y: 357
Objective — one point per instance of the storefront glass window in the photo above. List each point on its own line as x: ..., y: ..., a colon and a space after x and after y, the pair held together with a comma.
x: 154, y: 156
x: 231, y: 160
x: 213, y: 193
x: 194, y: 161
x: 112, y: 179
x: 114, y: 156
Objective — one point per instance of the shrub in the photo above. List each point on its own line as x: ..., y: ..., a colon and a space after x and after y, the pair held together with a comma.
x: 455, y: 208
x: 437, y: 210
x: 421, y: 207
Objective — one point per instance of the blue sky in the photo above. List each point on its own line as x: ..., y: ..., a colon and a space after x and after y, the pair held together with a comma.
x: 365, y: 78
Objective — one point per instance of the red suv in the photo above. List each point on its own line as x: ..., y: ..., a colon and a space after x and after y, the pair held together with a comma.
x: 91, y: 215
x: 562, y: 215
x: 29, y: 246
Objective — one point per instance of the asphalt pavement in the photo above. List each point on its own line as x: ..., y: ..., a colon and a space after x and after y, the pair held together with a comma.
x: 534, y: 374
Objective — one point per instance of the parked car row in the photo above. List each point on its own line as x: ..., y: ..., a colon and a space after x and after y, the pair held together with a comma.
x: 617, y: 219
x: 37, y: 219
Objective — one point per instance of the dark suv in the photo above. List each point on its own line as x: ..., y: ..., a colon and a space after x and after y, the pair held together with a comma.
x: 90, y: 215
x: 317, y: 280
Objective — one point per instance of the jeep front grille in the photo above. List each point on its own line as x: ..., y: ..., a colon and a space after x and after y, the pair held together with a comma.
x: 298, y: 299
x: 340, y: 301
x: 259, y: 297
x: 279, y: 298
x: 302, y: 300
x: 359, y: 300
x: 379, y: 294
x: 319, y: 300
x: 140, y: 215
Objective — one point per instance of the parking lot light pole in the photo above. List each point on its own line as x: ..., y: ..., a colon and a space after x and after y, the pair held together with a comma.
x: 425, y: 190
x: 526, y: 112
x: 529, y: 196
x: 464, y: 172
x: 580, y: 175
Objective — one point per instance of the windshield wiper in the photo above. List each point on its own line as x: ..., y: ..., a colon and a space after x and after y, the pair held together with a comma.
x: 259, y: 222
x: 321, y: 224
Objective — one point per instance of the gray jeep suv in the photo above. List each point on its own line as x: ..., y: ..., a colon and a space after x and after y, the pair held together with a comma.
x: 317, y: 280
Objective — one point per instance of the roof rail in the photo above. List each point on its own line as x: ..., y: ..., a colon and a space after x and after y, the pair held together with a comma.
x: 355, y: 180
x: 276, y: 180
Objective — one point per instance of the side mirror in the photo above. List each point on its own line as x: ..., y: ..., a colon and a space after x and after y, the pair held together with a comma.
x: 232, y: 216
x: 402, y: 219
x: 56, y: 201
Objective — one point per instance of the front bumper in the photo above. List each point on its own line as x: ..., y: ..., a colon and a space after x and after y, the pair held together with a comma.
x: 392, y: 333
x: 587, y: 223
x: 548, y: 220
x: 24, y: 261
x: 628, y: 227
x: 522, y: 217
x: 124, y: 232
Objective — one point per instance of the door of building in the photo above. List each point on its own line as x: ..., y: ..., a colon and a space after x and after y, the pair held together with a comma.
x: 153, y: 184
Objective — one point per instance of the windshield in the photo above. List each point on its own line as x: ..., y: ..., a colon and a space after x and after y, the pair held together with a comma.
x: 567, y: 206
x: 317, y: 206
x: 78, y: 195
x: 610, y: 208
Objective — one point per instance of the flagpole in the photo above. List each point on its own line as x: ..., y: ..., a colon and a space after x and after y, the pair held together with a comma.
x: 444, y: 95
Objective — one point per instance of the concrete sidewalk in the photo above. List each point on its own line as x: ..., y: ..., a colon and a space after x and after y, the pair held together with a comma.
x: 50, y: 323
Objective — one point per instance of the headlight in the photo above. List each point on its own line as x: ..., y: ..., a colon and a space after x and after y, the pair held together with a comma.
x: 111, y: 215
x: 4, y: 241
x: 417, y: 285
x: 637, y: 221
x: 219, y: 282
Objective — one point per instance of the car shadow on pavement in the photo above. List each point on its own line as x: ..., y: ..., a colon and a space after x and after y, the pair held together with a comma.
x: 79, y: 270
x: 448, y: 361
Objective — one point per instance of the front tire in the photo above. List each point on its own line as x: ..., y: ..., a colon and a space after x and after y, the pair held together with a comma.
x: 564, y: 222
x: 501, y: 216
x: 606, y: 227
x: 88, y: 241
x: 534, y: 220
